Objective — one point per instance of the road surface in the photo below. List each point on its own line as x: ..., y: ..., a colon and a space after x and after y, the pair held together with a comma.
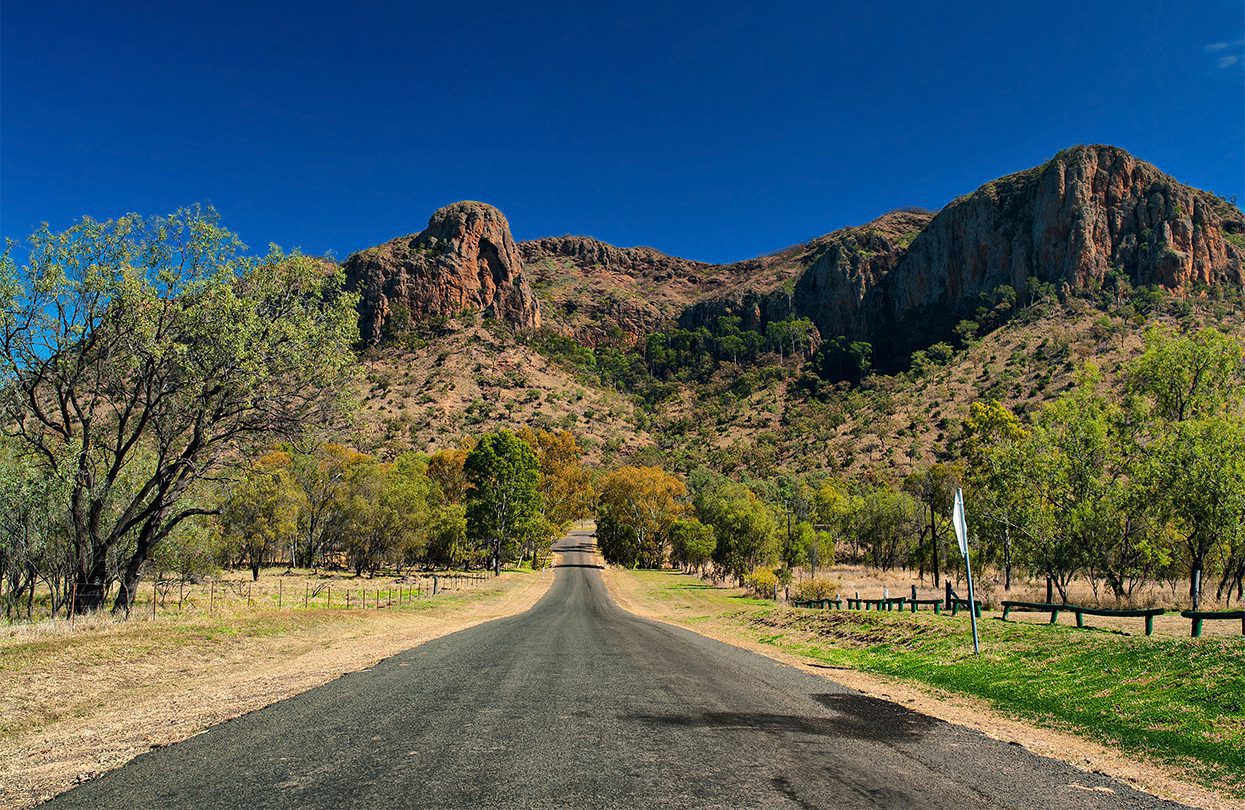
x: 577, y: 703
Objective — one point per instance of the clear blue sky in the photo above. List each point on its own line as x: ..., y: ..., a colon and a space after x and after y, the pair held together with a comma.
x: 706, y: 132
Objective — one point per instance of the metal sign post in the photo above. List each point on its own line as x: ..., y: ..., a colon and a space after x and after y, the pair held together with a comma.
x: 961, y: 534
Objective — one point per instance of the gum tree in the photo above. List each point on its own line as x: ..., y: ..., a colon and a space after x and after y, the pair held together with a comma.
x: 503, y: 502
x: 141, y: 356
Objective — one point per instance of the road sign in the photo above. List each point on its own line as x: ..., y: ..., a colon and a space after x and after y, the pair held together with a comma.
x: 961, y: 525
x: 961, y: 534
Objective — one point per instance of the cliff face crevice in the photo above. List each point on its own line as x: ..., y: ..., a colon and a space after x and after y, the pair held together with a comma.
x: 465, y: 261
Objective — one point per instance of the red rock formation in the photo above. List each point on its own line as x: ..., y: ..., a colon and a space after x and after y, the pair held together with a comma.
x: 900, y: 281
x: 464, y: 261
x: 1089, y: 210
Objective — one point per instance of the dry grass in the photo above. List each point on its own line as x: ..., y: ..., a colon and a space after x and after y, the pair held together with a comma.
x: 474, y: 380
x: 870, y: 582
x: 83, y: 699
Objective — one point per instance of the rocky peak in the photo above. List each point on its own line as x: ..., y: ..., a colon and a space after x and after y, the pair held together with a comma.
x: 1087, y: 212
x: 464, y: 261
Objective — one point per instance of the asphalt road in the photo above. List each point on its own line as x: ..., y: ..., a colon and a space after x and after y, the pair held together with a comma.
x: 577, y: 703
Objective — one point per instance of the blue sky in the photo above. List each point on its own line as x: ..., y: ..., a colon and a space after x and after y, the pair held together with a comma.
x: 707, y: 132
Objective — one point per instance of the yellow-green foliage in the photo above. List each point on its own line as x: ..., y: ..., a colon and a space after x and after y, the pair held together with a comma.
x: 761, y: 581
x: 816, y: 588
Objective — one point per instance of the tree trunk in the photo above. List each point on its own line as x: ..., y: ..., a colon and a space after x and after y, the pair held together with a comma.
x: 133, y: 576
x: 1007, y: 558
x: 92, y: 588
x: 1195, y: 584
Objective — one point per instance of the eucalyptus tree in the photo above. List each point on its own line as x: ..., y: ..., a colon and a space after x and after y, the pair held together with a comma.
x: 637, y: 507
x: 141, y: 356
x: 934, y: 486
x: 503, y: 500
x: 1194, y: 386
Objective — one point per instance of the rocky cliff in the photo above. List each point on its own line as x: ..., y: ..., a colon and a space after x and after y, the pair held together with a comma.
x: 903, y: 280
x: 1088, y: 212
x: 464, y: 261
x: 836, y: 275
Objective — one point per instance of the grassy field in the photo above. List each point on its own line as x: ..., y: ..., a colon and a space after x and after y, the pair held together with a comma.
x: 81, y: 699
x: 1177, y: 701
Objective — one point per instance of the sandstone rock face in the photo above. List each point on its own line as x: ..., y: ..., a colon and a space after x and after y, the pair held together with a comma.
x: 1089, y: 211
x: 840, y: 271
x: 903, y: 280
x: 464, y: 261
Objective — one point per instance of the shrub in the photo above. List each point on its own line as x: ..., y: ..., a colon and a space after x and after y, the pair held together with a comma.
x: 761, y: 581
x: 816, y: 588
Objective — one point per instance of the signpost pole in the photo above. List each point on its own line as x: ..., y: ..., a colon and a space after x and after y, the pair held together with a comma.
x: 961, y: 534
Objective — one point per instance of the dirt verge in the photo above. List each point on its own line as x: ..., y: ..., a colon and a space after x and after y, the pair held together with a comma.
x: 78, y: 706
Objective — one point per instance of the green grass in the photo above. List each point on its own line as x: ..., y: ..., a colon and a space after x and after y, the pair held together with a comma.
x: 1174, y: 700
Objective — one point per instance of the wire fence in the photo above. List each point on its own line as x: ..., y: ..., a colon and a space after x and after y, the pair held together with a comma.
x: 282, y: 592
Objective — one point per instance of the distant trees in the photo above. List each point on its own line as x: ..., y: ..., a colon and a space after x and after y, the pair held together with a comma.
x: 746, y: 527
x: 888, y: 522
x: 636, y: 510
x: 1118, y: 489
x: 1192, y: 388
x: 261, y: 509
x: 140, y: 355
x: 934, y: 486
x: 692, y: 352
x: 692, y: 543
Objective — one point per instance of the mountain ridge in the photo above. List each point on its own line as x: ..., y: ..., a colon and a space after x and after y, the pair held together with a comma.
x: 900, y: 281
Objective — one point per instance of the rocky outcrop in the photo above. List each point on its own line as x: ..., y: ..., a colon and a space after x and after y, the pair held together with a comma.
x: 602, y: 295
x: 833, y: 290
x: 644, y: 262
x: 465, y: 261
x: 1088, y: 212
x: 903, y: 280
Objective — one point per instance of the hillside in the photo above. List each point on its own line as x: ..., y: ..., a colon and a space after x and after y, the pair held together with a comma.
x: 772, y: 417
x: 470, y: 378
x: 1001, y: 294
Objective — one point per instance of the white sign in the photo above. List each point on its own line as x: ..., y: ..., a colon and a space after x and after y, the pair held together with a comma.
x: 961, y: 525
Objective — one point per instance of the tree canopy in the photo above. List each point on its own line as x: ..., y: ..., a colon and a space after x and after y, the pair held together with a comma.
x: 140, y: 355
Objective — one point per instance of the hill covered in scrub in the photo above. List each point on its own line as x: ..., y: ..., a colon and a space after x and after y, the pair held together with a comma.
x: 857, y: 349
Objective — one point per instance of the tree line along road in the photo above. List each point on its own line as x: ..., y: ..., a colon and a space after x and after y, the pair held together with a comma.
x: 577, y: 703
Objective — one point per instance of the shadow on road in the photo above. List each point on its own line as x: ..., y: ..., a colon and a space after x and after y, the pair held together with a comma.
x: 869, y: 718
x: 857, y: 716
